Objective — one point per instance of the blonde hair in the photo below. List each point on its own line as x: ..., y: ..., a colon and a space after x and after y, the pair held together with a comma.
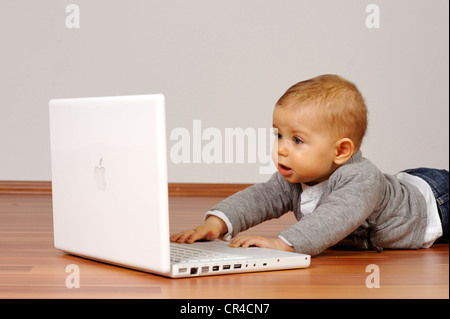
x: 339, y: 100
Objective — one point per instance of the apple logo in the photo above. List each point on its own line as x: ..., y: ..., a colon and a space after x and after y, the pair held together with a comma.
x: 99, y: 176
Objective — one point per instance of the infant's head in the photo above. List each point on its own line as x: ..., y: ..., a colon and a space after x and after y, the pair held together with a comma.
x: 320, y: 124
x: 336, y: 100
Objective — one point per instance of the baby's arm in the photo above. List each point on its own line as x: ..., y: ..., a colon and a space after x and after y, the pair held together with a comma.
x: 243, y: 210
x: 212, y: 228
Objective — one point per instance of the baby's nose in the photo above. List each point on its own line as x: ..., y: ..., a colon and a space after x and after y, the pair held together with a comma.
x: 282, y: 148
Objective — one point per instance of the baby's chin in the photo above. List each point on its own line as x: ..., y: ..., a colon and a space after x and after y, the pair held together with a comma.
x: 293, y: 179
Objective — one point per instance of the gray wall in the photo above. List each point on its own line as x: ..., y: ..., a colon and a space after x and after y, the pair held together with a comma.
x: 225, y: 63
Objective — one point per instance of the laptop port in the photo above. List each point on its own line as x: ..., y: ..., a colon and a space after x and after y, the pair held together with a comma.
x: 226, y: 267
x: 194, y: 270
x: 205, y: 269
x: 237, y: 266
x: 215, y: 268
x: 182, y: 270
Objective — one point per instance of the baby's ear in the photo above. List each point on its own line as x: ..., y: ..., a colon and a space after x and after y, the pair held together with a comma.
x: 343, y: 150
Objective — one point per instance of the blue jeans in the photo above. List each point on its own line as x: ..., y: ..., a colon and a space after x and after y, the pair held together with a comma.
x: 439, y: 182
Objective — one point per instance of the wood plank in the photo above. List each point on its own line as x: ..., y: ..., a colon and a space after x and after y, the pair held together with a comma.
x: 205, y: 189
x: 26, y: 187
x: 174, y: 189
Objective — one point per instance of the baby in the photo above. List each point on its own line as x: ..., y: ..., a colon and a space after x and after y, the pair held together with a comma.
x: 337, y: 196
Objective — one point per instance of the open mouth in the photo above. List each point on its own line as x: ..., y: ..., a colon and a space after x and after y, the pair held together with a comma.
x: 284, y: 170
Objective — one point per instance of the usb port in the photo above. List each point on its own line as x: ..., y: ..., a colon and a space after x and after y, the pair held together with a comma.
x: 226, y: 267
x: 205, y: 269
x: 182, y: 270
x: 215, y: 268
x: 237, y: 266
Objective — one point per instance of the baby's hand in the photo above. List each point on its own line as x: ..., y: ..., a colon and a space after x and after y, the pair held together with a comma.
x: 262, y: 242
x: 210, y: 230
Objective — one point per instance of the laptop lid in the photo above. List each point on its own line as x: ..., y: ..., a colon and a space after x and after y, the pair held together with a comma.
x: 109, y: 179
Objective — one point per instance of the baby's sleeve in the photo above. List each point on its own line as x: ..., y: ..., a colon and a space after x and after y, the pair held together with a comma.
x: 257, y: 204
x: 353, y: 199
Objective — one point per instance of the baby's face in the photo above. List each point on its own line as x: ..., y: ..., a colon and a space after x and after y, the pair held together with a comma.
x: 306, y: 149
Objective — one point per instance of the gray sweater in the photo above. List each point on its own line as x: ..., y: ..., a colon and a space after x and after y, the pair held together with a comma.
x: 360, y: 207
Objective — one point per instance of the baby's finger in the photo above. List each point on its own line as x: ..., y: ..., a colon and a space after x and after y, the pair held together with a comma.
x: 174, y: 237
x: 198, y: 234
x: 183, y: 236
x: 247, y: 241
x: 238, y: 241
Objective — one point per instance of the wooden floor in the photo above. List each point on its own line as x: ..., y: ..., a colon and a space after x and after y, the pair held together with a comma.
x: 31, y: 268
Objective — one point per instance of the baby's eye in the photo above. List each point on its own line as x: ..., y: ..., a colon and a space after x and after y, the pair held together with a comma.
x: 297, y: 140
x: 277, y: 134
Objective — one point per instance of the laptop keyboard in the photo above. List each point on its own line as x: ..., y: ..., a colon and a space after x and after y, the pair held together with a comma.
x: 185, y: 253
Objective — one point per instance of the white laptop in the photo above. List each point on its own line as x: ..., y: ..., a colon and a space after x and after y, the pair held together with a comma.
x: 110, y: 194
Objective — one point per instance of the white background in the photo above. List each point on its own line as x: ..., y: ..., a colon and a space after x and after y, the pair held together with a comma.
x: 226, y: 63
